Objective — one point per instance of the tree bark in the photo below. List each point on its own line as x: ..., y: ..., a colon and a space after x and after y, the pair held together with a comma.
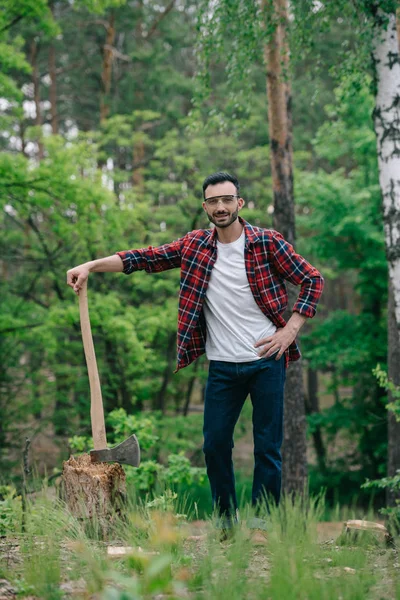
x: 106, y: 74
x: 394, y: 376
x: 294, y: 450
x: 387, y: 129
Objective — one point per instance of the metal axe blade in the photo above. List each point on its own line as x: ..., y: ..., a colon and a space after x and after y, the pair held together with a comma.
x: 127, y: 453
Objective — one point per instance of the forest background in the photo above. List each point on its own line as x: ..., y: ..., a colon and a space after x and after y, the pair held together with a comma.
x: 109, y: 127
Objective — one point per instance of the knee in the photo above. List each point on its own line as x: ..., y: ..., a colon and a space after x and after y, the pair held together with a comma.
x: 269, y: 453
x: 215, y: 443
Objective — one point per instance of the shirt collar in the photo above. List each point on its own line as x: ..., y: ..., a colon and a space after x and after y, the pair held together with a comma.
x: 249, y: 231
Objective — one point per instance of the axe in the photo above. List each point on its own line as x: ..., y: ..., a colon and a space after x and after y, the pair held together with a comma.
x: 128, y: 451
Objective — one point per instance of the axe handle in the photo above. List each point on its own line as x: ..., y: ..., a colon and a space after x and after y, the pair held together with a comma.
x: 96, y: 401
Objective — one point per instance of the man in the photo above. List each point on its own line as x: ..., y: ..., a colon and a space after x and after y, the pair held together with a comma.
x: 231, y: 301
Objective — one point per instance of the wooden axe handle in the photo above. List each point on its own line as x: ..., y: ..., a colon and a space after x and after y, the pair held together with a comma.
x: 96, y: 401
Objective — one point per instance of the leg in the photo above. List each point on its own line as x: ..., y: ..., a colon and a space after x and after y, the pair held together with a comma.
x: 224, y: 399
x: 267, y: 393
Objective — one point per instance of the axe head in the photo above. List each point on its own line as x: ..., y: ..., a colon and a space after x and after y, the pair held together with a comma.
x: 127, y: 453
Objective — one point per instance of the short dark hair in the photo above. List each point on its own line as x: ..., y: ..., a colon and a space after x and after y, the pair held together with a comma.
x: 220, y: 177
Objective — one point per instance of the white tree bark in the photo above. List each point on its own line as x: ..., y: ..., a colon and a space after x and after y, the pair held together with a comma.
x: 387, y: 129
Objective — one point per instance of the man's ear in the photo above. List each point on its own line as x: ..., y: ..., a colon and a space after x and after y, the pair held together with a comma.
x: 241, y: 203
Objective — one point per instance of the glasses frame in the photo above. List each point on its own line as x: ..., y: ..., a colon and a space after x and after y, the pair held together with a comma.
x: 230, y: 196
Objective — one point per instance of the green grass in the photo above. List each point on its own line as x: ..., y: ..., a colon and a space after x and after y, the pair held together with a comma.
x: 58, y: 556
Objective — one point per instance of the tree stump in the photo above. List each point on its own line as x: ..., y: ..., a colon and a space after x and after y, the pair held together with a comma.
x: 94, y: 492
x: 375, y: 531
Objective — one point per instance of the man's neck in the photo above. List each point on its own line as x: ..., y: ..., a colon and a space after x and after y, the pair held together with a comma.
x: 227, y: 235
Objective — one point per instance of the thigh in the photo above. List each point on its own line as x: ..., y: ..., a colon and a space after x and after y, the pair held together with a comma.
x: 224, y: 398
x: 267, y: 394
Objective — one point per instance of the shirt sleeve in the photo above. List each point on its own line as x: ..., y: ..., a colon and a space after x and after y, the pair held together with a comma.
x: 152, y: 259
x: 294, y: 268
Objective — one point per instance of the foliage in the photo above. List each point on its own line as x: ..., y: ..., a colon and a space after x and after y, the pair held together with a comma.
x: 10, y: 510
x: 340, y: 223
x: 165, y: 559
x: 135, y: 179
x: 391, y: 483
x: 153, y: 431
x: 389, y: 386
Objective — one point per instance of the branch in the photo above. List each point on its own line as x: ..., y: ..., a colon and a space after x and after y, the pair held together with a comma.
x: 117, y: 54
x: 156, y: 23
x: 13, y: 22
x: 48, y: 254
x: 11, y: 329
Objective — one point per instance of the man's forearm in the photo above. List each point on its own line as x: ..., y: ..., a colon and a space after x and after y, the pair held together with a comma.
x: 109, y: 264
x: 296, y: 322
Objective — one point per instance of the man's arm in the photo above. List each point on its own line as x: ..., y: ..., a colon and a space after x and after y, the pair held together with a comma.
x: 151, y: 259
x: 78, y: 275
x: 297, y: 270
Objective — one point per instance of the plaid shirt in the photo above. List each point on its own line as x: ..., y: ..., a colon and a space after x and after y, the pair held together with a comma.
x: 269, y: 260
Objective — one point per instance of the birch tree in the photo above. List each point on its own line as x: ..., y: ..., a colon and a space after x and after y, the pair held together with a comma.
x: 375, y: 23
x: 387, y: 128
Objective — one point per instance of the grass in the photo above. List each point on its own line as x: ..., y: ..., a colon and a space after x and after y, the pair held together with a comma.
x: 57, y: 557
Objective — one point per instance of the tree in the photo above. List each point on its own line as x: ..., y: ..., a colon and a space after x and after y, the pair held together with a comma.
x: 387, y: 127
x: 267, y: 28
x: 294, y: 474
x: 375, y: 23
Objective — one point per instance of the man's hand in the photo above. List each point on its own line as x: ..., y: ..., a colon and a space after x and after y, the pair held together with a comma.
x: 77, y: 276
x: 282, y: 338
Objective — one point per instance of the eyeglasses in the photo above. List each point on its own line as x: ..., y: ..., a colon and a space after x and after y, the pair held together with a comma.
x: 226, y: 200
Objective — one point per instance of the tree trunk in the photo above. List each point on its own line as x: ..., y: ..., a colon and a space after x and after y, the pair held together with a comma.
x: 138, y: 152
x: 94, y: 492
x: 53, y: 89
x: 106, y: 74
x: 36, y: 92
x: 294, y: 472
x: 387, y: 129
x: 115, y: 380
x: 394, y: 376
x: 190, y: 389
x: 312, y: 407
x: 160, y: 399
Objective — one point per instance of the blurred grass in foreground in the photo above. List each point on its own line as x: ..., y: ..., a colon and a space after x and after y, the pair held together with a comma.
x: 59, y: 557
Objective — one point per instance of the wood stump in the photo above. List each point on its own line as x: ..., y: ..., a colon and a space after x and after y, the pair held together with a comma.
x: 376, y: 531
x: 94, y: 492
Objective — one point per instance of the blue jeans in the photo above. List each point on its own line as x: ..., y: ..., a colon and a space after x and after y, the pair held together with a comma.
x: 227, y: 388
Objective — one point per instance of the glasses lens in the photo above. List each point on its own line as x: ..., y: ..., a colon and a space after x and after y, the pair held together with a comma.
x: 226, y: 200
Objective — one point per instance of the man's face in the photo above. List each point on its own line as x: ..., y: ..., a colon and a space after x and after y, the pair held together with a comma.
x: 222, y: 209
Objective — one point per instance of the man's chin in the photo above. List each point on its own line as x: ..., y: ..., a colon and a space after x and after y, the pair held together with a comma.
x: 222, y: 223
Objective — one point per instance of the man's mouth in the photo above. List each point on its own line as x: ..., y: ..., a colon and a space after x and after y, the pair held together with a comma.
x: 221, y: 216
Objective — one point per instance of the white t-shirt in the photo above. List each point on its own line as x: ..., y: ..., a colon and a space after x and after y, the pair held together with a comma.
x: 234, y: 320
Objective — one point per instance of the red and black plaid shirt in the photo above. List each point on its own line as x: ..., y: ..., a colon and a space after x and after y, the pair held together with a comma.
x: 269, y: 260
